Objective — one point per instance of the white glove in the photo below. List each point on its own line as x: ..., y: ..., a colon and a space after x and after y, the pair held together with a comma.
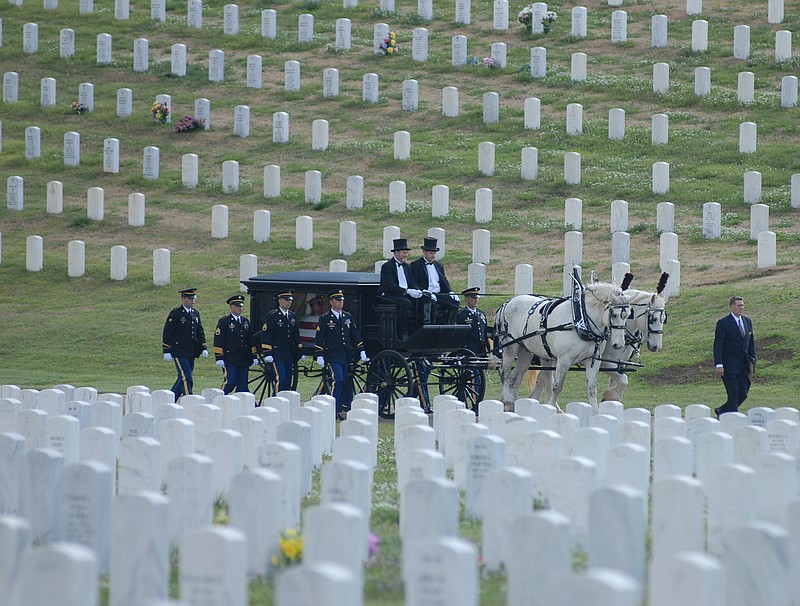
x: 433, y: 297
x: 302, y: 358
x: 205, y: 353
x: 255, y: 362
x: 221, y: 363
x: 168, y: 357
x: 454, y: 296
x: 414, y: 293
x: 364, y: 357
x: 269, y: 359
x: 320, y: 360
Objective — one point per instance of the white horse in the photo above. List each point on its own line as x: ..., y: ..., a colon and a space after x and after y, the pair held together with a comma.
x: 645, y: 324
x: 529, y: 325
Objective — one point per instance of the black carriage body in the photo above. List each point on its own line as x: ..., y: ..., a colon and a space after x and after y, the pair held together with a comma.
x: 394, y: 370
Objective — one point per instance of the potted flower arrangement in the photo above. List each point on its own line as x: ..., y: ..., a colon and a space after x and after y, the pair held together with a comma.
x: 160, y: 112
x: 187, y: 124
x: 291, y: 549
x: 548, y: 19
x: 78, y: 107
x: 525, y: 17
x: 389, y: 45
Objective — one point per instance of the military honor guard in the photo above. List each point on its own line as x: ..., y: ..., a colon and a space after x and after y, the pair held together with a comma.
x: 233, y: 346
x: 280, y: 341
x: 183, y: 340
x: 336, y: 344
x: 470, y: 315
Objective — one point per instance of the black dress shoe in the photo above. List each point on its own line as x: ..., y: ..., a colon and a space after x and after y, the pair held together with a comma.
x: 342, y: 416
x: 427, y: 410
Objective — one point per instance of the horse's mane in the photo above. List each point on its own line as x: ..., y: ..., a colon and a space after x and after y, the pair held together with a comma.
x: 640, y: 297
x: 603, y: 292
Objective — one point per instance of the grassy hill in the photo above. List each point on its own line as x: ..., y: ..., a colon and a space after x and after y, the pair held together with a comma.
x: 93, y: 331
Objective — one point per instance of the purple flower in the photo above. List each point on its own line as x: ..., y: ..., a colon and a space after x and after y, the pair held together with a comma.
x: 374, y: 540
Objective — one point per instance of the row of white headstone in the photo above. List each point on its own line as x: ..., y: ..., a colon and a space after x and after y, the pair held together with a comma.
x: 593, y: 471
x: 370, y: 81
x: 775, y: 12
x: 419, y: 43
x: 481, y: 242
x: 529, y: 171
x: 500, y: 21
x: 58, y: 486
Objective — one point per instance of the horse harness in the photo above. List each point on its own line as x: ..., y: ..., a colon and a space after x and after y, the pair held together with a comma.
x: 586, y: 332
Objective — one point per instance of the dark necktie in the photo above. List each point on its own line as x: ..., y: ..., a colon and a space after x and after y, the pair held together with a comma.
x: 741, y: 327
x: 428, y: 263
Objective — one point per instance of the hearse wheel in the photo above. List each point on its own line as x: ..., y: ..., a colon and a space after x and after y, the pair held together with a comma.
x: 390, y: 377
x: 465, y: 382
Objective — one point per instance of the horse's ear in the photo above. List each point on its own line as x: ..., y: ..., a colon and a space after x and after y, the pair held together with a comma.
x: 626, y: 281
x: 662, y: 283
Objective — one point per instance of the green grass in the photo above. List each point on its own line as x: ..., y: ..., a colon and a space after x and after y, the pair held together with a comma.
x: 92, y: 331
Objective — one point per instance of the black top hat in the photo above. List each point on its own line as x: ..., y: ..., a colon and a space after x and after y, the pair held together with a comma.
x: 189, y: 293
x: 471, y: 292
x: 236, y: 300
x: 430, y: 244
x: 400, y: 244
x: 286, y: 294
x: 337, y: 294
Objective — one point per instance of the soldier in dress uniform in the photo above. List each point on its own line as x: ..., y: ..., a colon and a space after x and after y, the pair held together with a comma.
x: 337, y: 342
x: 478, y: 342
x: 183, y: 340
x: 280, y: 340
x: 233, y: 346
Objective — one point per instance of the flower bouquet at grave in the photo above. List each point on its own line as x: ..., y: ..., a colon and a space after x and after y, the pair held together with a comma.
x: 525, y: 17
x: 160, y: 112
x: 78, y: 107
x: 291, y: 549
x: 389, y: 46
x: 187, y: 124
x: 548, y: 19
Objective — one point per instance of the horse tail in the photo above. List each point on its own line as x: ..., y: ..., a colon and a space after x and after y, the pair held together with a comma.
x: 530, y: 379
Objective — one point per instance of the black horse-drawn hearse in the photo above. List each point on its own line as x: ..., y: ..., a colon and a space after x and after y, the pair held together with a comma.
x: 432, y: 357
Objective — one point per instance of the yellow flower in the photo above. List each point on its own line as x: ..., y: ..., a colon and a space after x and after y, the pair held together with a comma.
x: 390, y: 50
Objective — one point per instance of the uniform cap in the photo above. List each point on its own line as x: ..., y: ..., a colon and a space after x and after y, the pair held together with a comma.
x: 236, y: 300
x: 430, y: 244
x: 189, y: 293
x: 471, y: 292
x: 337, y: 294
x: 400, y: 244
x: 286, y: 294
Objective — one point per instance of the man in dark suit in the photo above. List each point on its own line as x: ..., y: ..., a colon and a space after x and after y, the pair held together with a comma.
x: 183, y: 340
x: 280, y: 340
x: 233, y: 346
x: 398, y: 285
x: 429, y: 275
x: 734, y: 355
x: 337, y: 341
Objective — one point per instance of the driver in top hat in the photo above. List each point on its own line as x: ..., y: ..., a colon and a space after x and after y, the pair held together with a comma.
x: 398, y: 285
x: 429, y: 275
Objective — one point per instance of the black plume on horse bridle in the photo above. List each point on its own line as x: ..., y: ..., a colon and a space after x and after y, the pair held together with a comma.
x: 626, y: 281
x: 662, y: 283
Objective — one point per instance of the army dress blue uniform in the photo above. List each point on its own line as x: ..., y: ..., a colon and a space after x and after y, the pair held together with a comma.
x: 337, y: 341
x: 233, y: 344
x: 280, y: 340
x: 477, y: 341
x: 184, y: 339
